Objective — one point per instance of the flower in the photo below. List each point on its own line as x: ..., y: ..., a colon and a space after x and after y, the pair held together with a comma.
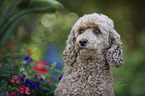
x: 30, y: 83
x: 24, y: 75
x: 28, y: 59
x: 37, y: 84
x: 35, y: 76
x: 13, y: 79
x: 26, y: 90
x: 33, y: 85
x: 42, y: 80
x: 18, y: 80
x: 22, y: 80
x: 12, y: 93
x: 0, y: 91
x: 23, y: 89
x: 12, y: 57
x: 50, y: 81
x: 60, y: 77
x: 38, y: 67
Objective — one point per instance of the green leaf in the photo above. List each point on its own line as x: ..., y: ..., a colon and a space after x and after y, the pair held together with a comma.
x: 41, y: 5
x: 45, y: 88
x: 46, y: 67
x: 53, y: 65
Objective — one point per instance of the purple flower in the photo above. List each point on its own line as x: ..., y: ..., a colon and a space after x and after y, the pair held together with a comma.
x: 27, y: 80
x: 22, y: 79
x: 42, y: 80
x: 30, y: 83
x: 33, y: 85
x: 37, y: 84
x: 28, y: 59
x: 24, y: 75
x: 36, y: 76
x: 60, y: 77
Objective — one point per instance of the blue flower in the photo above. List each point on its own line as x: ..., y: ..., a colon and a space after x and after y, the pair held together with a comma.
x: 27, y: 80
x: 60, y: 77
x: 42, y: 80
x: 24, y: 76
x: 36, y: 76
x: 28, y: 59
x: 37, y: 84
x: 22, y: 79
x: 32, y: 85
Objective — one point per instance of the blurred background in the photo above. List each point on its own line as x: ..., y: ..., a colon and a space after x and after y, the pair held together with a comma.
x: 44, y: 33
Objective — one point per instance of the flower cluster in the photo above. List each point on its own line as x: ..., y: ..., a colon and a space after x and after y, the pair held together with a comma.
x: 21, y: 89
x: 12, y: 94
x: 32, y: 85
x: 24, y: 89
x: 15, y: 79
x: 26, y: 85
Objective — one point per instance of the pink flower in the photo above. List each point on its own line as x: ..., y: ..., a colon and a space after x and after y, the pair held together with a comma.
x: 24, y: 89
x: 13, y: 79
x: 21, y: 89
x: 12, y: 93
x: 0, y: 91
x: 18, y: 80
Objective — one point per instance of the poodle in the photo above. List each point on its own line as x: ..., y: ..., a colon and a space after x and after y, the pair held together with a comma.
x: 93, y: 46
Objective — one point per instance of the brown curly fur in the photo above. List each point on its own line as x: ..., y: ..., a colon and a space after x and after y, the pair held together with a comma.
x: 87, y: 72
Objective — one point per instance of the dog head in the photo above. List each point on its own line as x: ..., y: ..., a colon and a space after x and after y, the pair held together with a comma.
x: 91, y: 35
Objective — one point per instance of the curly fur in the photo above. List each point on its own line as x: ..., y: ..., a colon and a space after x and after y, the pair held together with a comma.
x: 87, y: 72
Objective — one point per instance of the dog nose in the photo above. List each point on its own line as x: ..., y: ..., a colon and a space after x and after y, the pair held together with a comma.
x: 83, y: 42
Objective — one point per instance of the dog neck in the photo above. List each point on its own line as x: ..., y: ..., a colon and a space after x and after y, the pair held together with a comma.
x: 90, y: 63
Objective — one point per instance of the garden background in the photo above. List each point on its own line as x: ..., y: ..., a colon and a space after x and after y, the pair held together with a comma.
x: 33, y: 35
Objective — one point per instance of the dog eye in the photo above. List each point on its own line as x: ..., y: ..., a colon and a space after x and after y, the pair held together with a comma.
x: 96, y: 31
x: 81, y: 31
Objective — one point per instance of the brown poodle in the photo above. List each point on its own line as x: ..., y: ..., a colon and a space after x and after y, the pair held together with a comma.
x: 93, y: 46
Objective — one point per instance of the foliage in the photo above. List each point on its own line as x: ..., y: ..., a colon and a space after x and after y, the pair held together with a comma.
x: 11, y: 12
x: 17, y: 76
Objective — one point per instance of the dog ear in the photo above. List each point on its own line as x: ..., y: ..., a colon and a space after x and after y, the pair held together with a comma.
x: 69, y: 53
x: 114, y: 55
